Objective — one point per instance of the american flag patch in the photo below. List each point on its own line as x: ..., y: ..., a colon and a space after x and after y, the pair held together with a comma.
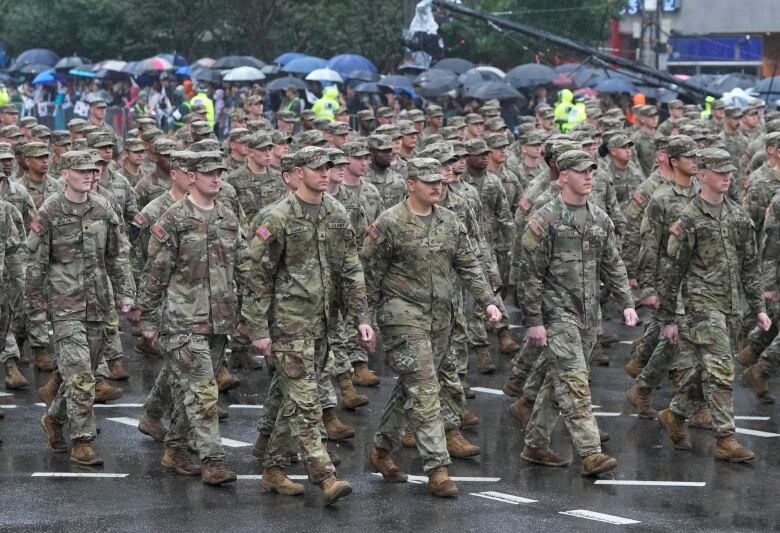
x: 263, y: 232
x: 159, y: 232
x: 534, y: 226
x: 374, y: 232
x: 524, y: 204
x: 639, y: 197
x: 140, y: 219
x: 676, y: 228
x: 36, y: 226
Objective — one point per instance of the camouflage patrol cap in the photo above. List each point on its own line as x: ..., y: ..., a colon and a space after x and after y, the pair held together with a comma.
x: 734, y: 112
x: 532, y: 138
x: 39, y: 130
x: 459, y: 149
x: 206, y: 145
x: 312, y: 138
x: 584, y: 137
x: 96, y: 157
x: 496, y: 140
x: 6, y: 151
x: 615, y: 112
x: 164, y: 146
x: 365, y: 115
x: 337, y: 157
x: 238, y: 114
x: 424, y: 169
x: 476, y: 147
x: 75, y: 125
x: 772, y: 126
x: 134, y: 145
x: 449, y: 133
x: 100, y: 139
x: 415, y: 115
x: 132, y: 134
x: 694, y: 132
x: 391, y: 130
x: 60, y: 137
x: 772, y: 115
x: 575, y: 160
x: 11, y: 131
x: 28, y: 122
x: 308, y: 114
x: 287, y: 116
x: 97, y: 102
x: 434, y: 111
x: 260, y: 139
x: 489, y: 112
x: 560, y: 146
x: 287, y: 163
x: 380, y: 142
x: 719, y: 104
x: 440, y: 151
x: 78, y: 144
x: 681, y: 146
x: 35, y: 149
x: 201, y: 127
x: 714, y: 141
x: 593, y: 112
x: 647, y: 111
x: 149, y: 135
x: 675, y: 104
x: 207, y: 162
x: 545, y: 111
x: 78, y: 160
x: 433, y: 138
x: 340, y: 110
x: 474, y: 118
x: 619, y: 140
x: 772, y: 139
x: 183, y: 135
x: 258, y: 125
x: 716, y: 159
x: 661, y: 142
x: 313, y: 157
x: 280, y: 137
x: 198, y: 109
x: 495, y: 124
x: 189, y: 118
x: 321, y: 123
x: 181, y: 159
x: 407, y: 127
x: 383, y: 112
x: 338, y: 128
x: 254, y: 99
x: 756, y: 103
x: 9, y: 109
x: 691, y: 108
x: 145, y: 122
x: 456, y: 122
x: 239, y: 135
x: 355, y: 149
x: 89, y: 128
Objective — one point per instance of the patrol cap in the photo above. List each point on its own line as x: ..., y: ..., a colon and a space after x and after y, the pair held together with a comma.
x: 313, y: 157
x: 496, y: 140
x: 100, y: 139
x: 308, y: 114
x: 619, y: 141
x: 181, y: 159
x: 207, y: 162
x: 60, y: 137
x: 260, y: 124
x: 582, y: 136
x: 78, y: 144
x: 321, y: 123
x: 338, y: 128
x: 526, y: 120
x: 280, y: 137
x: 490, y: 112
x: 561, y: 146
x: 201, y: 127
x: 456, y: 122
x: 312, y: 138
x: 149, y: 135
x: 206, y: 145
x: 239, y: 135
x: 89, y: 128
x: 132, y: 134
x: 35, y: 149
x: 97, y: 102
x: 355, y: 149
x: 184, y: 135
x: 164, y: 146
x: 238, y: 114
x: 6, y: 152
x: 380, y: 142
x: 495, y: 124
x: 661, y: 142
x: 415, y: 115
x: 575, y: 160
x: 39, y: 130
x: 532, y: 138
x: 407, y: 127
x: 198, y: 109
x: 134, y: 145
x: 384, y: 111
x: 254, y: 99
x: 28, y: 122
x: 287, y: 163
x: 734, y: 112
x: 609, y: 123
x: 189, y: 118
x: 459, y: 149
x: 681, y: 146
x: 287, y: 116
x: 474, y: 118
x: 449, y: 133
x: 9, y: 109
x: 647, y: 111
x: 675, y: 104
x: 424, y: 169
x: 96, y: 157
x: 716, y: 159
x: 440, y: 151
x: 337, y: 157
x: 78, y: 160
x: 772, y: 139
x: 545, y: 111
x: 694, y: 132
x: 476, y: 147
x: 719, y: 104
x: 145, y: 122
x: 365, y: 115
x: 11, y: 131
x: 772, y: 115
x: 340, y: 111
x: 75, y: 125
x: 434, y: 138
x: 615, y: 112
x: 435, y: 111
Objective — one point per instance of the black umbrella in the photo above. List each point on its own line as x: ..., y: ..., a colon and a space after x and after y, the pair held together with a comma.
x: 36, y: 56
x: 281, y: 84
x: 228, y: 62
x: 395, y: 82
x: 455, y: 64
x: 33, y: 69
x: 438, y: 87
x: 729, y: 82
x: 563, y: 68
x: 67, y: 63
x: 207, y: 74
x: 368, y: 87
x: 475, y: 77
x: 701, y: 80
x: 489, y: 90
x: 363, y: 75
x: 530, y: 75
x: 435, y: 74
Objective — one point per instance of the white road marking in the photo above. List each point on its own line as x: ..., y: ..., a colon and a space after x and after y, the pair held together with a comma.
x: 134, y: 423
x: 644, y: 483
x: 234, y: 443
x: 756, y: 433
x: 762, y: 418
x: 596, y: 406
x: 9, y: 406
x: 106, y: 405
x: 501, y: 497
x: 606, y: 413
x: 5, y: 394
x: 245, y: 406
x: 78, y: 474
x: 424, y: 479
x: 599, y: 517
x: 125, y: 420
x: 255, y: 477
x: 488, y: 391
x: 626, y: 342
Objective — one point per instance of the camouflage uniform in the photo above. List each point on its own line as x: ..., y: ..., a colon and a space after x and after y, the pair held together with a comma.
x: 625, y: 181
x: 767, y: 343
x: 13, y: 257
x: 389, y: 182
x: 155, y: 183
x: 644, y: 143
x: 40, y: 191
x: 632, y: 239
x: 760, y: 191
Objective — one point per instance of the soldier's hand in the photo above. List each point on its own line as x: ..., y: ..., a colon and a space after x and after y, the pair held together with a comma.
x: 770, y: 296
x: 653, y: 302
x: 537, y: 336
x: 629, y: 317
x: 763, y: 321
x: 125, y: 308
x: 150, y: 335
x: 243, y: 329
x: 633, y: 283
x: 263, y: 346
x: 367, y: 337
x: 670, y: 333
x: 134, y: 316
x: 494, y: 314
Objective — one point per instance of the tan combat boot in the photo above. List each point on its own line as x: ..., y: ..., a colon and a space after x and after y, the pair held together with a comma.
x: 363, y: 376
x: 408, y: 440
x: 83, y: 453
x: 633, y: 368
x: 675, y: 427
x: 467, y: 392
x: 543, y: 456
x: 54, y: 437
x: 105, y: 392
x: 225, y: 380
x: 440, y: 484
x: 598, y: 357
x: 605, y: 339
x: 701, y: 418
x: 458, y: 446
x: 41, y: 359
x: 747, y: 356
x: 597, y: 463
x: 380, y: 460
x: 728, y: 449
x: 13, y: 378
x: 337, y: 430
x: 152, y: 427
x: 117, y: 370
x: 147, y: 348
x: 756, y: 378
x: 222, y: 414
x: 636, y: 342
x: 334, y: 489
x: 350, y: 398
x: 513, y: 386
x: 484, y: 361
x: 521, y: 410
x: 275, y: 480
x: 260, y: 445
x: 216, y: 472
x: 639, y: 398
x: 48, y: 392
x: 179, y: 461
x: 469, y: 420
x: 506, y: 344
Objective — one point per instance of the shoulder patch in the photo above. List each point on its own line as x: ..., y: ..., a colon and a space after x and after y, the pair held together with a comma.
x: 639, y: 197
x: 534, y: 226
x: 140, y: 219
x: 263, y: 232
x: 676, y: 228
x: 36, y: 226
x: 159, y: 232
x: 524, y: 204
x: 374, y: 232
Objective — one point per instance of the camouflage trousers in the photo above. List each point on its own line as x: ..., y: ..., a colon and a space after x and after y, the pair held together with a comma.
x: 113, y: 344
x: 504, y: 266
x: 79, y: 346
x: 565, y: 388
x: 20, y: 329
x: 459, y: 337
x: 415, y: 354
x: 5, y: 325
x: 664, y: 358
x: 769, y: 362
x: 709, y: 336
x: 523, y: 362
x: 758, y: 338
x: 159, y: 401
x: 299, y: 365
x: 345, y: 347
x: 649, y: 341
x: 191, y: 360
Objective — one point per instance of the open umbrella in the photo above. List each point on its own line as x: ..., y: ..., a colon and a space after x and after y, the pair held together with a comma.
x: 207, y: 74
x: 324, y: 74
x: 411, y: 69
x: 110, y: 64
x: 130, y: 68
x: 36, y: 56
x: 287, y: 57
x: 346, y: 63
x: 81, y: 73
x: 438, y: 87
x: 368, y: 87
x: 728, y: 82
x: 33, y: 69
x: 363, y: 75
x: 435, y: 74
x: 491, y: 73
x: 184, y: 71
x: 204, y: 62
x: 616, y: 85
x: 174, y: 59
x: 67, y: 63
x: 244, y: 74
x: 473, y: 77
x: 395, y: 82
x: 701, y: 80
x: 154, y: 64
x: 563, y: 68
x: 46, y: 77
x: 489, y: 90
x: 281, y: 84
x: 304, y: 65
x: 229, y: 62
x: 530, y: 75
x: 455, y: 64
x: 769, y: 85
x: 271, y: 70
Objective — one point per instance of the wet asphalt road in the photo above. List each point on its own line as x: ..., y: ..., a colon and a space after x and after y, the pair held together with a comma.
x: 499, y: 491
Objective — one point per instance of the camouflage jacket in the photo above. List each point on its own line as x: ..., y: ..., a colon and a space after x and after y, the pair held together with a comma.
x: 40, y: 191
x: 302, y: 272
x: 715, y: 262
x: 735, y: 144
x: 603, y: 195
x: 150, y: 187
x: 16, y: 195
x: 632, y: 237
x: 229, y: 198
x: 644, y: 143
x: 563, y: 266
x: 121, y: 189
x: 255, y: 191
x: 497, y: 222
x: 770, y: 246
x: 521, y: 218
x: 363, y: 203
x: 131, y: 178
x: 140, y: 230
x: 409, y: 268
x: 78, y: 258
x: 759, y: 194
x: 197, y: 260
x: 402, y: 168
x: 13, y: 253
x: 624, y: 181
x: 389, y: 182
x: 512, y: 187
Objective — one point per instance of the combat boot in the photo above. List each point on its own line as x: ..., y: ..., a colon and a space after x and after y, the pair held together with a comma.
x: 225, y: 380
x: 440, y: 484
x: 675, y: 426
x: 54, y: 437
x: 597, y: 463
x: 260, y: 445
x: 408, y: 440
x: 222, y: 414
x: 639, y: 398
x: 180, y: 462
x: 48, y: 392
x: 521, y: 410
x: 363, y: 376
x: 241, y: 358
x: 41, y: 359
x: 83, y: 453
x: 337, y: 430
x: 117, y: 370
x: 469, y: 420
x: 147, y: 347
x: 598, y: 357
x: 13, y: 378
x: 633, y: 368
x: 334, y: 489
x: 636, y: 342
x: 331, y: 449
x: 458, y: 446
x: 728, y: 449
x: 380, y: 460
x: 350, y: 398
x: 216, y: 472
x: 701, y: 418
x: 756, y: 379
x: 152, y: 427
x: 467, y: 392
x: 484, y: 361
x: 747, y: 356
x: 513, y: 386
x: 275, y: 480
x: 105, y: 392
x: 543, y: 456
x: 506, y: 344
x: 605, y: 339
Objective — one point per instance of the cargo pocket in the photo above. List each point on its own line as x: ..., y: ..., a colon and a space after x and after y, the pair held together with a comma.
x: 177, y: 347
x: 399, y: 354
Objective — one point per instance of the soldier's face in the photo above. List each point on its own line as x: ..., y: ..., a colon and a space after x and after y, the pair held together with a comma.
x: 424, y: 192
x: 419, y: 126
x: 578, y: 182
x: 409, y: 141
x: 534, y: 151
x: 358, y: 165
x: 79, y: 181
x: 37, y: 165
x: 498, y: 155
x: 719, y: 113
x: 239, y: 149
x: 397, y: 144
x: 261, y: 156
x: 164, y: 162
x: 622, y: 154
x: 478, y: 162
x: 102, y: 166
x: 107, y: 152
x: 715, y: 182
x: 280, y: 150
x: 337, y: 173
x: 338, y: 140
x: 285, y: 126
x: 676, y: 112
x: 98, y: 113
x: 446, y: 171
x: 182, y: 180
x: 208, y: 183
x: 546, y: 123
x: 7, y: 165
x: 135, y: 158
x: 60, y: 149
x: 382, y: 158
x: 475, y: 131
x: 315, y: 179
x: 459, y: 166
x: 435, y: 121
x: 292, y: 180
x: 688, y: 166
x: 384, y: 120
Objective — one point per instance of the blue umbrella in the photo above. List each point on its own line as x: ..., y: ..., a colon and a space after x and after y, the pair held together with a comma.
x: 304, y: 65
x: 46, y: 77
x: 346, y: 63
x: 184, y: 71
x: 174, y: 59
x: 287, y: 57
x: 368, y: 87
x: 39, y: 56
x: 363, y: 75
x: 81, y: 73
x: 616, y: 85
x: 395, y: 82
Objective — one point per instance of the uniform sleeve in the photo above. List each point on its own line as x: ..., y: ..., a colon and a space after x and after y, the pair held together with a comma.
x: 469, y: 270
x: 680, y: 250
x: 517, y: 243
x: 156, y: 276
x: 130, y: 206
x: 506, y: 223
x: 770, y: 248
x: 376, y: 254
x: 632, y: 239
x: 242, y: 263
x: 651, y: 234
x: 353, y: 285
x: 614, y: 271
x: 15, y: 250
x: 751, y: 274
x: 117, y: 262
x: 613, y: 207
x: 535, y: 250
x: 480, y: 247
x: 265, y: 254
x: 38, y: 249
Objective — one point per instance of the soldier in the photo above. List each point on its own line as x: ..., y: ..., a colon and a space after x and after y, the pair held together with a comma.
x: 764, y: 183
x: 718, y: 119
x: 529, y: 162
x: 281, y: 147
x: 77, y: 285
x: 60, y: 143
x: 562, y: 312
x: 238, y: 149
x: 394, y: 132
x: 158, y: 182
x: 9, y: 115
x: 366, y: 122
x: 256, y: 184
x: 97, y: 117
x: 731, y: 136
x: 133, y: 160
x: 643, y: 138
x: 291, y: 307
x: 675, y: 108
x: 715, y: 260
x: 409, y: 139
x: 112, y: 180
x: 197, y: 254
x: 434, y: 121
x: 12, y: 274
x: 380, y: 174
x: 623, y: 174
x: 287, y: 121
x: 253, y: 106
x: 35, y: 179
x: 337, y: 133
x: 412, y: 245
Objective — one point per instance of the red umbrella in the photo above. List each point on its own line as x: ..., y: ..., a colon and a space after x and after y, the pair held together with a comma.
x: 154, y: 64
